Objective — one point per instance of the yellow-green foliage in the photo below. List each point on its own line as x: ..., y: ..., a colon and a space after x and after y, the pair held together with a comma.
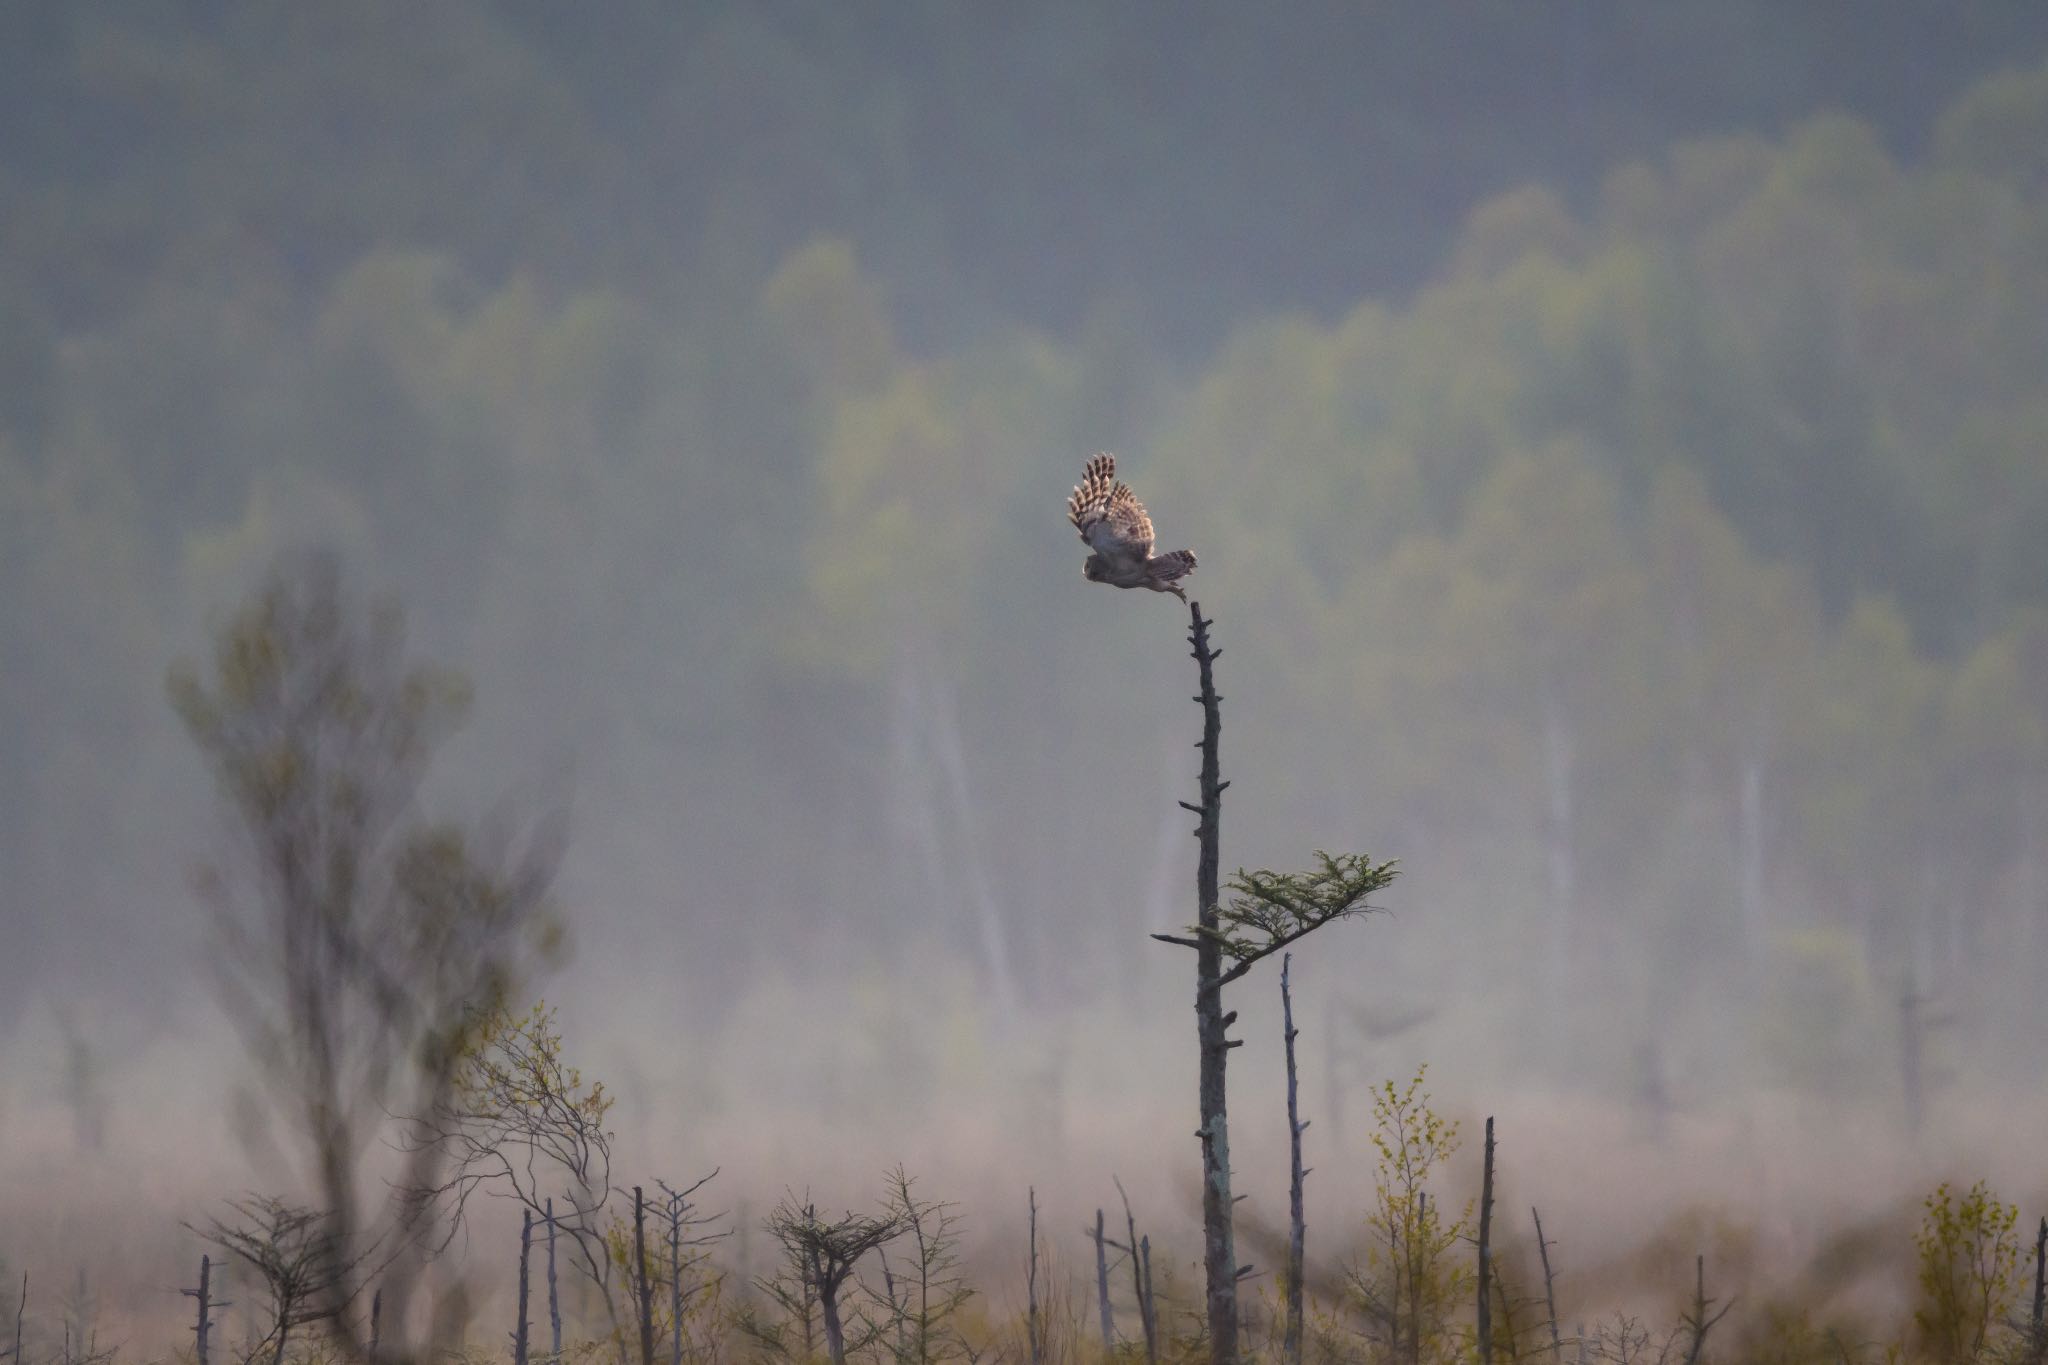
x: 1787, y: 1336
x: 1968, y: 1274
x: 706, y: 1317
x: 513, y: 1070
x: 1410, y: 1284
x: 293, y: 652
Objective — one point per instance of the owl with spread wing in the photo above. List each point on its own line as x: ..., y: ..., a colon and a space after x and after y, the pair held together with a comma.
x: 1114, y: 524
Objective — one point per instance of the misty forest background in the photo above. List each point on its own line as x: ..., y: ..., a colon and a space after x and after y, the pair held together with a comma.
x: 1615, y: 438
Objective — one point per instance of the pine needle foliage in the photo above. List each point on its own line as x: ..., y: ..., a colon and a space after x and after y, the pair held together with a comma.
x: 1273, y: 909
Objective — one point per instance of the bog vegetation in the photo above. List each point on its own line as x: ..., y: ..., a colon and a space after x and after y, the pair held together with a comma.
x: 644, y: 1274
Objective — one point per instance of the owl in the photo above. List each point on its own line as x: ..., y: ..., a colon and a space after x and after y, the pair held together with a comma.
x: 1114, y: 524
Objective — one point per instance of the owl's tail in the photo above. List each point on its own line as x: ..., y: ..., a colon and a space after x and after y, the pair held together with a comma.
x: 1174, y: 564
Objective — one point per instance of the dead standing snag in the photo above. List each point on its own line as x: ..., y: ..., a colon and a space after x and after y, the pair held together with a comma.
x: 1269, y: 911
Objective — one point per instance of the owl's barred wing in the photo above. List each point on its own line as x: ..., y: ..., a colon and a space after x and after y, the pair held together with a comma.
x: 1128, y: 521
x: 1117, y: 528
x: 1090, y: 499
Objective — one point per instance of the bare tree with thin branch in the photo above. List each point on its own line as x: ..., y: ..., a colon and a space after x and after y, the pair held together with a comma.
x: 206, y: 1303
x: 824, y: 1254
x: 1141, y: 1279
x: 687, y: 1234
x: 1699, y: 1321
x: 1297, y: 1177
x: 519, y: 1122
x: 933, y: 1290
x: 291, y: 1250
x: 1549, y: 1289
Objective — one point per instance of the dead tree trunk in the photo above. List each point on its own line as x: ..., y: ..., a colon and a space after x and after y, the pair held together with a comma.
x: 20, y: 1307
x: 1102, y: 1286
x: 1141, y: 1275
x: 675, y: 1279
x: 835, y: 1330
x: 1297, y: 1231
x: 1697, y: 1323
x: 2038, y: 1343
x: 554, y: 1298
x: 898, y: 1308
x: 204, y: 1294
x: 376, y: 1318
x: 1416, y: 1251
x: 1485, y: 1262
x: 1031, y: 1281
x: 642, y: 1282
x: 525, y: 1250
x: 1148, y: 1303
x: 1269, y: 911
x: 1219, y: 1251
x: 1549, y: 1290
